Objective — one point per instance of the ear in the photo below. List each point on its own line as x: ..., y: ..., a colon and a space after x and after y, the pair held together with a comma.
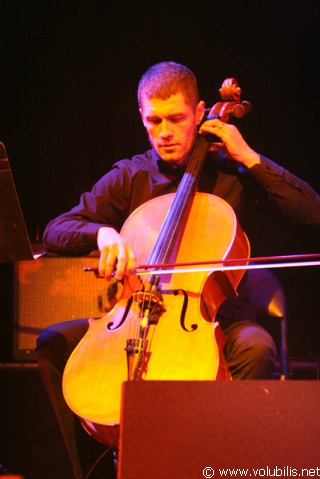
x: 200, y: 111
x: 142, y: 118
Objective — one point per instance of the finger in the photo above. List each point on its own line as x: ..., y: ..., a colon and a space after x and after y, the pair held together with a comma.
x: 131, y: 263
x: 213, y: 133
x: 217, y: 124
x: 120, y: 268
x: 216, y: 146
x: 112, y: 263
x: 102, y: 262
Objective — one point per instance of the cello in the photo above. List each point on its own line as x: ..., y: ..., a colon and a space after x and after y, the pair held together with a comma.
x: 162, y: 327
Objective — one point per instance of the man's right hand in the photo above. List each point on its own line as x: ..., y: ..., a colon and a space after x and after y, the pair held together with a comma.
x: 116, y: 256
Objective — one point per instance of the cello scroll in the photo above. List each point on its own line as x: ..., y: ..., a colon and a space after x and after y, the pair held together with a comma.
x: 230, y: 106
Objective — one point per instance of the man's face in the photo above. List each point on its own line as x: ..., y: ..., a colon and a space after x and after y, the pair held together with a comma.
x: 172, y: 126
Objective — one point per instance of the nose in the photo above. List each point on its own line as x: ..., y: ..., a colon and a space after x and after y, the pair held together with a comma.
x: 166, y: 130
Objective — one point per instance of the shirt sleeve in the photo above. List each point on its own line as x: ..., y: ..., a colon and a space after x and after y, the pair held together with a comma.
x: 75, y: 232
x: 296, y: 198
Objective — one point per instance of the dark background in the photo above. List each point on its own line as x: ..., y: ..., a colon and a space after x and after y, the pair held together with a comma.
x: 68, y: 79
x: 69, y: 72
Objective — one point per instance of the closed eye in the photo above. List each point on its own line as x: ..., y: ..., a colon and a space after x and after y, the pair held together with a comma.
x: 171, y: 119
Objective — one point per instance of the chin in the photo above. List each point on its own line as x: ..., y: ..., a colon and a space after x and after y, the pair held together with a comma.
x: 174, y: 157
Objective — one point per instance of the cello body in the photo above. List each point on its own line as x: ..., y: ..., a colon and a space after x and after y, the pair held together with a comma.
x: 184, y: 343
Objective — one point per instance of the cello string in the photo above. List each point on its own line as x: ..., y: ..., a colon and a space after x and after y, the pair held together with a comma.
x: 172, y: 223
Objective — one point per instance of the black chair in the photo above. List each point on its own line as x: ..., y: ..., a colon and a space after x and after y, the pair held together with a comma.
x: 268, y: 300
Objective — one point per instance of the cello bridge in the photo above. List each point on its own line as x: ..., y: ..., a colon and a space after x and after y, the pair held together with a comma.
x: 151, y: 305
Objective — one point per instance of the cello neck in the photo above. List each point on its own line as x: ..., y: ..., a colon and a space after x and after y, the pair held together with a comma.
x: 173, y: 223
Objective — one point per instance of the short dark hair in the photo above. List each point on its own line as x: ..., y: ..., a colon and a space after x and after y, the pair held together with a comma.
x: 168, y: 78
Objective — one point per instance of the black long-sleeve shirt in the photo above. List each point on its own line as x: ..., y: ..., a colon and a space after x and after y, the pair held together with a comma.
x: 132, y: 182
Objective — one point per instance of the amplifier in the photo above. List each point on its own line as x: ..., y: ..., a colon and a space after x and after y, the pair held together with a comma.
x: 53, y: 289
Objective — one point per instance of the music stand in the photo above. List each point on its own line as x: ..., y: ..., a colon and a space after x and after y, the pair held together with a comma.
x: 14, y: 239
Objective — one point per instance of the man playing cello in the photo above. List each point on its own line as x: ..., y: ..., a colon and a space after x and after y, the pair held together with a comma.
x: 172, y: 113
